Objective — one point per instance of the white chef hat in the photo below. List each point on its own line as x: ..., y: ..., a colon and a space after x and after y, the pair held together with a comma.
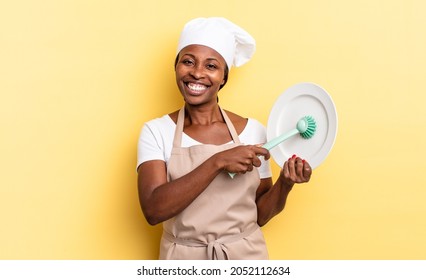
x: 231, y: 41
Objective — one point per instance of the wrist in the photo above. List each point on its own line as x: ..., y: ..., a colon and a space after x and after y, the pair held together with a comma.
x: 285, y: 184
x: 218, y: 162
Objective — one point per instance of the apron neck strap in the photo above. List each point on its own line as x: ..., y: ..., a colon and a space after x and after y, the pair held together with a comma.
x: 231, y: 127
x: 177, y: 141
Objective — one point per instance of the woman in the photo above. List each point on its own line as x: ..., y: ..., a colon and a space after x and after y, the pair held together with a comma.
x: 184, y: 158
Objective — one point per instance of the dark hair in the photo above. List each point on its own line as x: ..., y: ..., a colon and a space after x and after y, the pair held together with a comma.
x: 225, y: 78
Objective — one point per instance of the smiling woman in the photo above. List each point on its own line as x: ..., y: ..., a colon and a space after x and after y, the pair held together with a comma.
x: 225, y: 78
x: 184, y: 157
x: 200, y: 73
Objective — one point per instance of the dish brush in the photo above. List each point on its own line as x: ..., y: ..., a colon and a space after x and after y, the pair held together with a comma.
x: 306, y: 127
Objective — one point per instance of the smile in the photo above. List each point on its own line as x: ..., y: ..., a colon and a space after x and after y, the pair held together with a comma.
x: 196, y: 88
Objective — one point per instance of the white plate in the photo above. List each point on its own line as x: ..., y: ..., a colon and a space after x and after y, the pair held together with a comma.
x: 296, y: 102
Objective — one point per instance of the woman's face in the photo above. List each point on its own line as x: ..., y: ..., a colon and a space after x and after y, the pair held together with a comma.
x: 200, y: 72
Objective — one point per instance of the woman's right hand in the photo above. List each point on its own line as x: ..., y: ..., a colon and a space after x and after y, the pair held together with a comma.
x: 242, y: 159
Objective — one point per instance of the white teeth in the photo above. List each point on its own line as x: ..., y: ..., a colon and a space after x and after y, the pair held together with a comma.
x: 196, y: 87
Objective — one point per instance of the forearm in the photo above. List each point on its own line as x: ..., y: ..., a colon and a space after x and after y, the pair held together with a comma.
x: 170, y: 198
x: 273, y: 201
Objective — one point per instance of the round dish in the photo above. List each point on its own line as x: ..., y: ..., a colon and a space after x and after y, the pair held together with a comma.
x: 304, y: 99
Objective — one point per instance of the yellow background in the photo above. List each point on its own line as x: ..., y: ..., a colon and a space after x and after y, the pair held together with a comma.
x: 79, y: 78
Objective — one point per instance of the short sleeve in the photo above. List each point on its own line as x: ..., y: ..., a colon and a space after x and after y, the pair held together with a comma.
x: 149, y: 145
x: 254, y: 134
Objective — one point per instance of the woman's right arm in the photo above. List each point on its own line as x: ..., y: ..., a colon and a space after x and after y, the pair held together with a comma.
x: 161, y: 200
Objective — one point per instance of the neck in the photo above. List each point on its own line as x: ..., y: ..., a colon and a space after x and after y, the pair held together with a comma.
x: 202, y: 115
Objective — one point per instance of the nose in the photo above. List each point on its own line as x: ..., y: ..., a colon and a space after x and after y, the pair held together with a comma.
x: 197, y: 72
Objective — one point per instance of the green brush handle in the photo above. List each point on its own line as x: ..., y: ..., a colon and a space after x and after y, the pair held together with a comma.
x: 274, y: 142
x: 279, y: 139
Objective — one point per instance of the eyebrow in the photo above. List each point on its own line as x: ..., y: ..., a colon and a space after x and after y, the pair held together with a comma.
x: 193, y: 56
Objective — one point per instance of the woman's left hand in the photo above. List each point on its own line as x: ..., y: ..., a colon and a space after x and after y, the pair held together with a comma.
x: 295, y: 171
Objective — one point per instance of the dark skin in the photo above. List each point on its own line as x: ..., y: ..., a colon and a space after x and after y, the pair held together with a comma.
x: 199, y: 76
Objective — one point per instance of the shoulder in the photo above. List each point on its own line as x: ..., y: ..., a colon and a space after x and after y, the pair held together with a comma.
x: 173, y: 116
x: 254, y: 124
x: 158, y: 128
x: 250, y: 130
x: 161, y: 122
x: 238, y: 121
x: 244, y: 123
x: 155, y: 139
x: 254, y: 132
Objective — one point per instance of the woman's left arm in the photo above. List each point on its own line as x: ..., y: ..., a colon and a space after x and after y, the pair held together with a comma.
x: 271, y: 199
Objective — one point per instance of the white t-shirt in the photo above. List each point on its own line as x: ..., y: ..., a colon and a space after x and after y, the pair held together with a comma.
x: 156, y: 141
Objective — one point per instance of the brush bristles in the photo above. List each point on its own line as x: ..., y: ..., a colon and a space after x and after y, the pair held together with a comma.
x: 310, y: 130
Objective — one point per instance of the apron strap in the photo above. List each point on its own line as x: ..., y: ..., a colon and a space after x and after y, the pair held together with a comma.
x: 177, y: 141
x: 231, y: 127
x: 215, y: 249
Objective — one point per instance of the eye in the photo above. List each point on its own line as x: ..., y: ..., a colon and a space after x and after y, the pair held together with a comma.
x: 211, y: 66
x: 187, y: 62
